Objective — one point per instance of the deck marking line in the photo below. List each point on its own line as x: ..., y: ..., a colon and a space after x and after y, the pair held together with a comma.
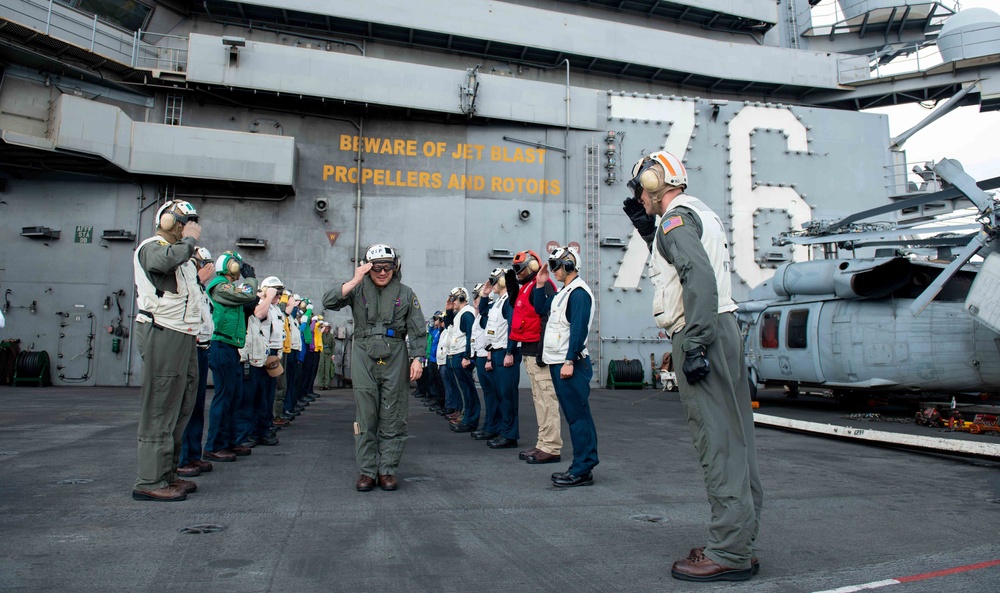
x: 866, y: 434
x: 948, y: 571
x: 913, y: 578
x: 853, y: 588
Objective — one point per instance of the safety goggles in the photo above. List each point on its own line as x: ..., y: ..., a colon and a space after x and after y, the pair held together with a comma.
x: 381, y: 268
x: 634, y: 184
x: 520, y: 267
x: 566, y: 264
x: 184, y: 219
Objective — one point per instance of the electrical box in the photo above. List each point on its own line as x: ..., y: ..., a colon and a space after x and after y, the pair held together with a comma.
x: 341, y: 332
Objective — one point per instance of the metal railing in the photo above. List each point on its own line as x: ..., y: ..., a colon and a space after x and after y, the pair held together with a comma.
x: 914, y: 58
x: 100, y: 36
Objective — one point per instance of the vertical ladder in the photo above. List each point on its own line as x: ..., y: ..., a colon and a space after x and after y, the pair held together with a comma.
x: 174, y: 110
x: 592, y: 252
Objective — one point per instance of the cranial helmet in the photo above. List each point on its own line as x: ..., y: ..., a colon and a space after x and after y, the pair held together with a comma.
x: 477, y: 290
x: 272, y: 282
x: 380, y: 252
x: 228, y: 264
x: 527, y: 260
x: 202, y: 254
x: 497, y: 277
x: 566, y: 258
x: 174, y: 212
x: 459, y: 293
x: 657, y: 171
x: 437, y: 316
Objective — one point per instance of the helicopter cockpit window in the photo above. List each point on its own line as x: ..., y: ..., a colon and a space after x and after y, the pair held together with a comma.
x: 798, y: 323
x: 769, y: 330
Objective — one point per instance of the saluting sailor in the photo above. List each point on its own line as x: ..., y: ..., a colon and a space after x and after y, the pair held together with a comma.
x: 693, y: 303
x: 386, y: 312
x: 166, y: 330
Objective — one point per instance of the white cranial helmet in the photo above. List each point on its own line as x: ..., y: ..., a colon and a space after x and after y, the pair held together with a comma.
x: 379, y: 252
x: 657, y: 171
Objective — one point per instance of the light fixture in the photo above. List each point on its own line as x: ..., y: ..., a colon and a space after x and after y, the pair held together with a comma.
x: 501, y: 254
x: 251, y: 243
x: 117, y: 235
x: 39, y: 232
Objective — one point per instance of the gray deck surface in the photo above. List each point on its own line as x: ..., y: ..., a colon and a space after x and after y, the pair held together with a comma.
x: 467, y: 518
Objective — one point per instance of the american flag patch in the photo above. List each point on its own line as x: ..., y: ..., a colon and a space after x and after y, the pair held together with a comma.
x: 672, y: 223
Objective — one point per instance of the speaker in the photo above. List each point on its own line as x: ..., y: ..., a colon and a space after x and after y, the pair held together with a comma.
x: 524, y: 214
x: 321, y: 205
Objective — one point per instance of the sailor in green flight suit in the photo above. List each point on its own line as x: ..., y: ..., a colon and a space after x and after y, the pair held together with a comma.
x: 386, y: 314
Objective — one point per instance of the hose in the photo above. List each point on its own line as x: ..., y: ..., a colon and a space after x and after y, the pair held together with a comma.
x: 32, y: 366
x: 625, y: 371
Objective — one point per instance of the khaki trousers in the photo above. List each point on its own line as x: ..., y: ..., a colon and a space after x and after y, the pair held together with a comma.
x: 546, y: 407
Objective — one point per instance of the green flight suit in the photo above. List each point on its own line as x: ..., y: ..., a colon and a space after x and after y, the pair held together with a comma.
x: 325, y: 375
x: 169, y: 373
x: 718, y: 407
x: 380, y: 367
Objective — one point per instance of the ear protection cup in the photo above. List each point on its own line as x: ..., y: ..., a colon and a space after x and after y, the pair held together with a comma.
x: 228, y: 263
x: 164, y: 219
x: 652, y: 180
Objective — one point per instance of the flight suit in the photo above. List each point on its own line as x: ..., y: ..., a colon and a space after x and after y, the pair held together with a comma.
x: 326, y: 368
x: 383, y: 320
x: 166, y: 332
x: 694, y: 305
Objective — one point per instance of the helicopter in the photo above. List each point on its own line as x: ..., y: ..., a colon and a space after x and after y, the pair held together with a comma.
x: 898, y: 324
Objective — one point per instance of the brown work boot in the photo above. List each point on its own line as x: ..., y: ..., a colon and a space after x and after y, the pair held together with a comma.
x: 387, y: 482
x: 165, y: 494
x: 365, y: 483
x: 702, y: 569
x: 189, y: 470
x: 186, y: 485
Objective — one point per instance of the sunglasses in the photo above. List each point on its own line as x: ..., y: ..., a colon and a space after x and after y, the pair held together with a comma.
x: 380, y: 268
x: 567, y: 264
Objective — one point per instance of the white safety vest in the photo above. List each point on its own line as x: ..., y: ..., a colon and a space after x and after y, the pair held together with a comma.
x: 442, y: 347
x: 296, y: 334
x: 180, y: 311
x: 668, y: 306
x: 497, y: 326
x: 274, y: 328
x: 478, y: 338
x: 456, y: 345
x: 207, y: 321
x: 255, y: 349
x: 555, y: 347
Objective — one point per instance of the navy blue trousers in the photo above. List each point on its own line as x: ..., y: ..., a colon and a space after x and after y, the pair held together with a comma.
x: 227, y: 375
x: 573, y: 394
x: 246, y: 408
x: 506, y: 380
x: 466, y: 385
x: 491, y: 399
x: 292, y: 367
x: 452, y: 394
x: 195, y: 430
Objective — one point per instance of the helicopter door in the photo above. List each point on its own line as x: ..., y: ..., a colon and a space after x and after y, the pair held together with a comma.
x: 788, y: 345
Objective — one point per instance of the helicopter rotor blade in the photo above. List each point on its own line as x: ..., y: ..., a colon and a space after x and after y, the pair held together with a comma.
x: 944, y: 194
x: 932, y: 290
x: 879, y: 235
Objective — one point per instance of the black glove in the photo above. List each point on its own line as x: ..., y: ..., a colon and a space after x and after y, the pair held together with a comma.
x: 247, y: 271
x: 539, y: 361
x: 644, y: 223
x: 510, y: 279
x: 695, y: 365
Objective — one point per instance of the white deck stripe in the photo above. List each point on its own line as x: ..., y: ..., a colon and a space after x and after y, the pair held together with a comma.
x: 872, y: 585
x: 865, y: 434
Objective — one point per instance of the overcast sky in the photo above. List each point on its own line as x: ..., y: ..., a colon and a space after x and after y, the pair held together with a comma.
x: 965, y: 134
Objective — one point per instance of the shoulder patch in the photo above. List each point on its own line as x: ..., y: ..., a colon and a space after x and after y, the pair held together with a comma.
x: 162, y: 242
x: 672, y: 223
x: 416, y: 303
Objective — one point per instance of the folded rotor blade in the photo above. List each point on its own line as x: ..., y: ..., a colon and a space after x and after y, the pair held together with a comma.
x: 932, y: 290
